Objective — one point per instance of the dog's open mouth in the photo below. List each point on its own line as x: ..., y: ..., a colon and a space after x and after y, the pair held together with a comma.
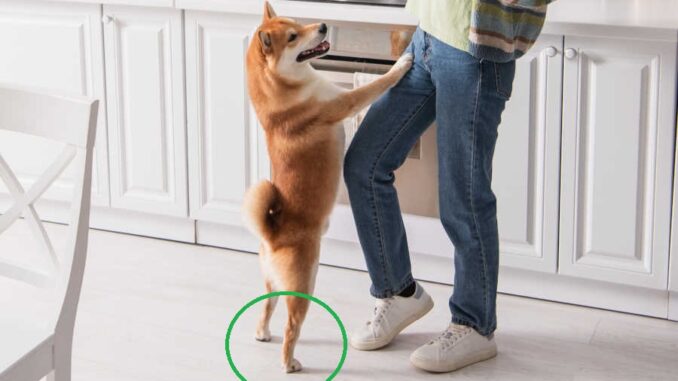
x: 319, y: 50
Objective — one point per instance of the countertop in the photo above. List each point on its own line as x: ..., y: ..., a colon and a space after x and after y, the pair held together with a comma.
x: 656, y: 14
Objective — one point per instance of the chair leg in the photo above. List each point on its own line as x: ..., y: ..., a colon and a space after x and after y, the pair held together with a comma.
x: 62, y: 361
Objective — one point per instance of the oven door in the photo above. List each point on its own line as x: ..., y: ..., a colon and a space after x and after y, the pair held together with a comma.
x: 416, y: 183
x: 417, y: 180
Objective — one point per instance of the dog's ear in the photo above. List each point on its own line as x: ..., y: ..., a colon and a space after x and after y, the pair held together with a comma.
x: 269, y: 13
x: 265, y: 39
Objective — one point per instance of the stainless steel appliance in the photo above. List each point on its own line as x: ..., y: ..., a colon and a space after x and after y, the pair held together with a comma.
x: 358, y: 54
x: 395, y: 3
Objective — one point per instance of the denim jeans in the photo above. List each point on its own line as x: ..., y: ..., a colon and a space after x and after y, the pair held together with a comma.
x: 466, y: 97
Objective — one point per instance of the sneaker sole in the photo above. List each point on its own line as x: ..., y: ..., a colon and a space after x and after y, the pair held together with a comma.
x: 446, y: 368
x: 373, y: 345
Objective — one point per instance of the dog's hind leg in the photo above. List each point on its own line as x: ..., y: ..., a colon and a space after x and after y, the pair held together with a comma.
x: 263, y: 332
x: 299, y: 275
x: 296, y: 313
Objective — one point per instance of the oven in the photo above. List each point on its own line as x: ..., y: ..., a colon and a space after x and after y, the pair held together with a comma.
x: 357, y: 57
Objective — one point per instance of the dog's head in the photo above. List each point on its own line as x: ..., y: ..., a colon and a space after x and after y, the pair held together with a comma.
x: 287, y: 45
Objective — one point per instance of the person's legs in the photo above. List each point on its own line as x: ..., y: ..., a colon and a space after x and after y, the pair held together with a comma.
x: 381, y: 145
x: 471, y: 97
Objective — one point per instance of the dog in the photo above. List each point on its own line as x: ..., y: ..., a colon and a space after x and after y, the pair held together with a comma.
x: 301, y: 114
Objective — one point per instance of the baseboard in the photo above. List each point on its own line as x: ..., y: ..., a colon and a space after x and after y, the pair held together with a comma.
x: 138, y: 223
x: 347, y: 254
x: 584, y: 292
x: 533, y: 284
x: 226, y: 236
x: 122, y: 221
x: 673, y: 305
x: 554, y: 287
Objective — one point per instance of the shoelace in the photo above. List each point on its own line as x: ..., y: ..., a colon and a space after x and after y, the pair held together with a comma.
x: 380, y: 310
x: 451, y: 335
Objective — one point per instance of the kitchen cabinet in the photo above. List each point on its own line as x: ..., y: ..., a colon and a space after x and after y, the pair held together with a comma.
x: 526, y: 173
x: 146, y: 113
x: 617, y: 159
x: 55, y: 47
x: 226, y: 146
x: 673, y: 266
x: 583, y: 168
x: 673, y: 280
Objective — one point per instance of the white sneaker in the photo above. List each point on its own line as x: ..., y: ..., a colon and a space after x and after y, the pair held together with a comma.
x: 455, y: 348
x: 390, y: 317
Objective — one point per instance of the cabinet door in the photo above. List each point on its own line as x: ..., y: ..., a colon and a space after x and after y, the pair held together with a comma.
x: 146, y: 118
x: 54, y: 47
x: 527, y: 160
x: 673, y: 270
x: 226, y: 146
x: 617, y: 160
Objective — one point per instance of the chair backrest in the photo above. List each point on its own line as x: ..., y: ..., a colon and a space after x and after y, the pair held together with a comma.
x: 67, y: 120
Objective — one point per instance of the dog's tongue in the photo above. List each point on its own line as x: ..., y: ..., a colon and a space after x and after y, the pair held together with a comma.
x: 318, y: 50
x: 321, y: 47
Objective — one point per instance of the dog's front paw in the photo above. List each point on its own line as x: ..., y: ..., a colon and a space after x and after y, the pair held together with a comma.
x: 293, y: 366
x: 263, y: 334
x: 404, y: 63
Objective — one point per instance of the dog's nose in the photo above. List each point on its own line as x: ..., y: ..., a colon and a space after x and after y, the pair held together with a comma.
x: 323, y: 28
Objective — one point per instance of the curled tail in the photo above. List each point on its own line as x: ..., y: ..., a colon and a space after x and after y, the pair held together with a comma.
x: 262, y: 207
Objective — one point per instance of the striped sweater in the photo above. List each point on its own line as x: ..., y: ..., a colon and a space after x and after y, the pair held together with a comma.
x: 496, y: 30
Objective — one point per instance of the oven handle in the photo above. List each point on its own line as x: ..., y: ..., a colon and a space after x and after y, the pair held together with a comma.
x: 349, y: 65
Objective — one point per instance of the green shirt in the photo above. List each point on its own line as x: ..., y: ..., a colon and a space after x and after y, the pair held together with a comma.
x: 447, y: 20
x: 496, y: 30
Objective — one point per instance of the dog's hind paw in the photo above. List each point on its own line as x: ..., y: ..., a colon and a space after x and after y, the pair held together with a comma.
x: 293, y: 366
x: 263, y: 335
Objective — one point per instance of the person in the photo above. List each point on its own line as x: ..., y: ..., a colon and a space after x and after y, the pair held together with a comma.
x: 462, y: 76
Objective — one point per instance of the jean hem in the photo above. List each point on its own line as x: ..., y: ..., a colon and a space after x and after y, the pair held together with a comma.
x: 482, y: 332
x: 394, y: 291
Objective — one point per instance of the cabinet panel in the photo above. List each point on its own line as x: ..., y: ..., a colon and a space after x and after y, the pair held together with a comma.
x: 144, y: 72
x: 527, y: 160
x: 54, y: 47
x: 618, y: 146
x: 226, y: 148
x: 673, y: 269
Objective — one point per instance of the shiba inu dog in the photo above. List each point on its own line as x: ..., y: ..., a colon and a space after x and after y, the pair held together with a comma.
x: 302, y: 115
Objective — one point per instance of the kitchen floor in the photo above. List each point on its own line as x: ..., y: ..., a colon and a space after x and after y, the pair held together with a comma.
x: 156, y: 310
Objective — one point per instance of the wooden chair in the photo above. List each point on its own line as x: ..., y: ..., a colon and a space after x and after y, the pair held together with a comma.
x: 28, y: 354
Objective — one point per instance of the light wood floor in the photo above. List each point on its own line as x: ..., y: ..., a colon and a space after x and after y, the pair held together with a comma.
x: 155, y: 310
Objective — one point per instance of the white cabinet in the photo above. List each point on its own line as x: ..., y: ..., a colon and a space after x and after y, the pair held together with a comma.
x: 146, y: 116
x: 617, y: 159
x: 55, y: 47
x: 226, y: 146
x: 673, y: 268
x: 526, y: 173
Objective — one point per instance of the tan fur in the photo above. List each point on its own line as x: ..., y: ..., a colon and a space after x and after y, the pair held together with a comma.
x: 301, y: 115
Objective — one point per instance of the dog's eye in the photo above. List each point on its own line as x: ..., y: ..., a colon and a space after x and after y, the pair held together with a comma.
x: 292, y: 37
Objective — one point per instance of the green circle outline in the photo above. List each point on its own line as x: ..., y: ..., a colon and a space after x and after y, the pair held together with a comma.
x: 286, y: 293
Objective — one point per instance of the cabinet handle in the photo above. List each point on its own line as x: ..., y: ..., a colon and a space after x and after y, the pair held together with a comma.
x: 107, y: 19
x: 570, y: 53
x: 551, y: 51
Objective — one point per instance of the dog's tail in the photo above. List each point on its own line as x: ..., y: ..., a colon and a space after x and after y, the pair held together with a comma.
x: 262, y: 208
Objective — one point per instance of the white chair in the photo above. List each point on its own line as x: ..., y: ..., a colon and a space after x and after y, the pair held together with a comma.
x: 32, y: 352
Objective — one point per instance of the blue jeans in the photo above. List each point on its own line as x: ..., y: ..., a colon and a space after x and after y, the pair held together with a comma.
x: 466, y: 97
